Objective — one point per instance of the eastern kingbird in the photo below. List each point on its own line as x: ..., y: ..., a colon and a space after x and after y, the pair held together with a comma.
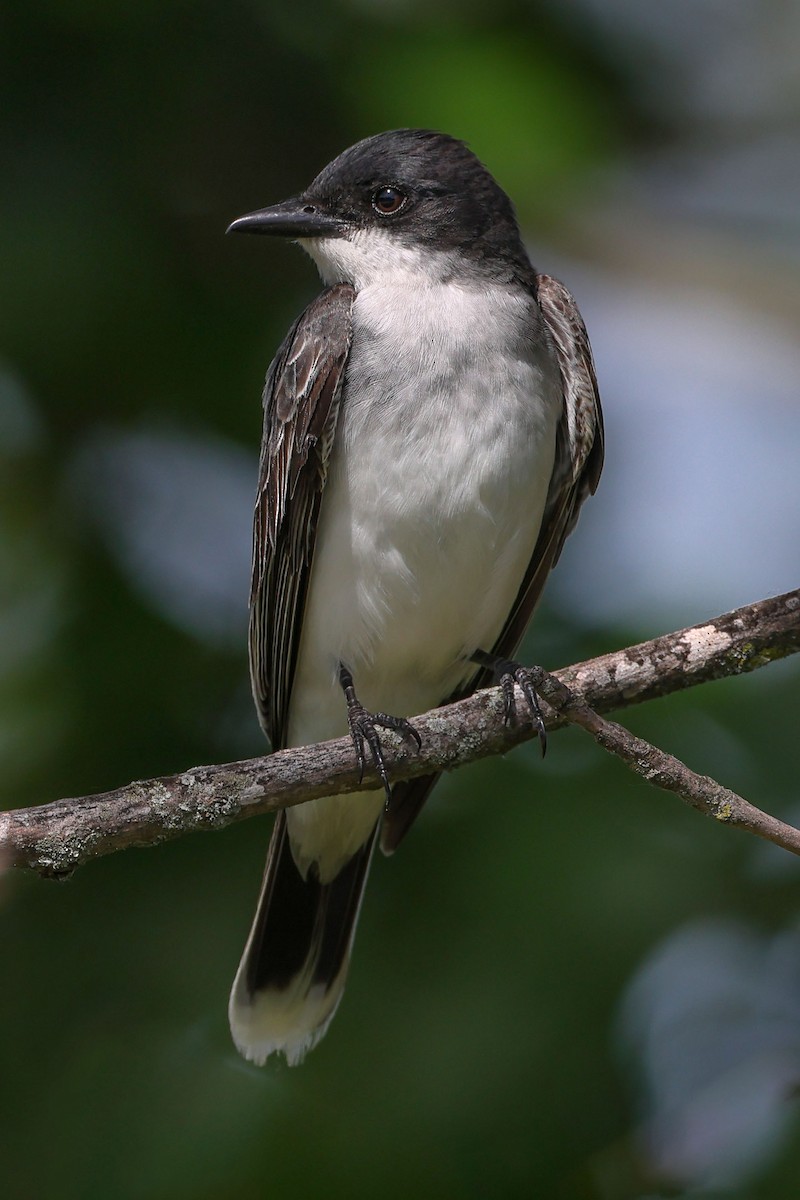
x: 431, y: 428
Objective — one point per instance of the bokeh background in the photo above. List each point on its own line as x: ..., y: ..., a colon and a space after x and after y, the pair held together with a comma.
x: 565, y: 985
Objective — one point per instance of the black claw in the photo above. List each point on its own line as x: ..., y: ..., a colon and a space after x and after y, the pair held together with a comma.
x: 507, y: 673
x: 523, y: 678
x: 400, y: 725
x: 509, y: 699
x: 358, y: 744
x: 362, y: 730
x: 362, y: 725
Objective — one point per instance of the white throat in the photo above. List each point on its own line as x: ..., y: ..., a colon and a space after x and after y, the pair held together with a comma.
x: 373, y: 256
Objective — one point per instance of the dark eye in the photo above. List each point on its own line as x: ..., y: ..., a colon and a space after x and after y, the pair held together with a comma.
x: 388, y: 200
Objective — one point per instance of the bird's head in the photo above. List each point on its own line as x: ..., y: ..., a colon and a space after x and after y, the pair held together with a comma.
x: 410, y: 200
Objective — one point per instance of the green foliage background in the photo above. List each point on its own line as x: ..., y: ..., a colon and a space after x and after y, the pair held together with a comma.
x: 477, y: 1051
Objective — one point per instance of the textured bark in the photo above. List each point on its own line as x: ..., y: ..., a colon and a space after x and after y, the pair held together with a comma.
x: 55, y: 838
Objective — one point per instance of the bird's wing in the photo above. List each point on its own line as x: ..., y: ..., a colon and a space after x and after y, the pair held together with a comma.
x: 576, y: 473
x: 302, y: 395
x: 578, y: 458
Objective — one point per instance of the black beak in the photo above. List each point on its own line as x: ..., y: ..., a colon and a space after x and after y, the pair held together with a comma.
x: 295, y: 218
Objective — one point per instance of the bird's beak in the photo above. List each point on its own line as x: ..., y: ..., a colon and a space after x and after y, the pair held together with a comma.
x: 295, y: 218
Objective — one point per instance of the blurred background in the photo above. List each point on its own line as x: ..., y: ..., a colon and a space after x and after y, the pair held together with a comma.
x: 565, y: 984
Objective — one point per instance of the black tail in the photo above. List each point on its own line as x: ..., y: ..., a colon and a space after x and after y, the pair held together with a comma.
x: 294, y: 966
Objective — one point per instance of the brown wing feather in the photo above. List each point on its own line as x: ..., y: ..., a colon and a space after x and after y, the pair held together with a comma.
x: 576, y: 473
x: 301, y: 405
x: 579, y: 453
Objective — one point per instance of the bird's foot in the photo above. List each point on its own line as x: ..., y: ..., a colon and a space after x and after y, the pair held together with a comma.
x: 507, y: 673
x: 364, y: 726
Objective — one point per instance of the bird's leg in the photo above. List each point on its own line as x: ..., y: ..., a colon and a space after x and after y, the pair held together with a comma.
x: 363, y: 728
x: 507, y: 672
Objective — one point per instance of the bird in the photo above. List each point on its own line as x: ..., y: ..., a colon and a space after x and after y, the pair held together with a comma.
x: 432, y: 426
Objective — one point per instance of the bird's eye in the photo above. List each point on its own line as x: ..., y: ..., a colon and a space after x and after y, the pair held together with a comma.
x: 388, y: 200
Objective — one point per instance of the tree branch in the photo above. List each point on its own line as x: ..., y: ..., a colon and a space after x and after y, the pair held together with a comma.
x: 54, y: 839
x: 664, y: 770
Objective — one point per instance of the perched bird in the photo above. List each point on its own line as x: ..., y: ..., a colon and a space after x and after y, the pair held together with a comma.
x: 431, y: 428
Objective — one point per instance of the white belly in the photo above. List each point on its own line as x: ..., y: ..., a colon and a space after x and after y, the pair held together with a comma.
x: 429, y: 518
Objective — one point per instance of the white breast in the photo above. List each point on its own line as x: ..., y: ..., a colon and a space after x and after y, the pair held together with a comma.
x: 434, y: 500
x: 438, y: 479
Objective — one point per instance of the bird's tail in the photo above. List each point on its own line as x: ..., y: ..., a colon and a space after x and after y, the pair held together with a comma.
x: 294, y: 966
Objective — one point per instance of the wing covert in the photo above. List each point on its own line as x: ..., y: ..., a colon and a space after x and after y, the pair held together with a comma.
x: 579, y: 451
x: 301, y: 400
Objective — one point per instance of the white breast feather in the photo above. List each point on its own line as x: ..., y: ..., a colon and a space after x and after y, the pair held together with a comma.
x: 433, y: 504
